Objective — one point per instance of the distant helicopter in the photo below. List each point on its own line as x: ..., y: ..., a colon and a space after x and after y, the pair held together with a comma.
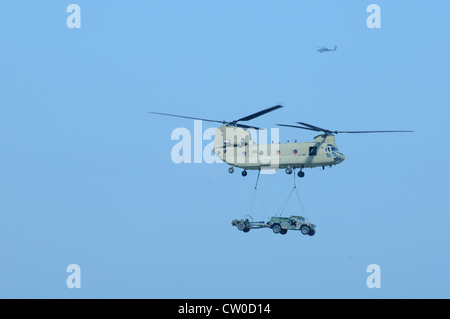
x: 234, y: 146
x: 326, y: 49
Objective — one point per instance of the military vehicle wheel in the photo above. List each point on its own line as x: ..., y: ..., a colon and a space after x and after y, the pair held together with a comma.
x: 276, y: 228
x: 289, y: 171
x: 246, y: 230
x: 301, y: 174
x: 231, y: 170
x: 305, y: 230
x: 312, y: 232
x: 283, y: 231
x: 244, y: 173
x: 241, y: 226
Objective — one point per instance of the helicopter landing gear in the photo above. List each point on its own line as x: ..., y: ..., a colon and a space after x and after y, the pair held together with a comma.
x: 244, y: 173
x: 301, y: 174
x: 289, y: 171
x: 231, y: 170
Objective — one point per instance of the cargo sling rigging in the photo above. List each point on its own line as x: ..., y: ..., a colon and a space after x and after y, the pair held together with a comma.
x: 255, y: 191
x: 283, y: 205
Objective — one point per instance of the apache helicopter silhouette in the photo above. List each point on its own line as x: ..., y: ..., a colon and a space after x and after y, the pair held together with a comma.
x: 326, y: 49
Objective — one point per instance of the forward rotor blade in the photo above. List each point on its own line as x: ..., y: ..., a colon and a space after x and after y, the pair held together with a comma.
x: 188, y: 117
x: 255, y: 115
x: 395, y: 131
x: 296, y: 126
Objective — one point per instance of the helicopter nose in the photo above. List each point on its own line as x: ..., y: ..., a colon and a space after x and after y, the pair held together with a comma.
x: 342, y: 156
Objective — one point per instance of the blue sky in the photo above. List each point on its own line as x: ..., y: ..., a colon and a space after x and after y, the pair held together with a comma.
x: 86, y: 175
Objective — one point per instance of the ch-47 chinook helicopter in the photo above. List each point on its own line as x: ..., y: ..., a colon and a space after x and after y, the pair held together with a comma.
x: 233, y: 145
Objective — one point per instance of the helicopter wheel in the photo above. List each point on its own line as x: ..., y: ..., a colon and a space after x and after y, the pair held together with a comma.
x: 231, y: 170
x: 244, y: 173
x: 289, y: 171
x: 301, y: 174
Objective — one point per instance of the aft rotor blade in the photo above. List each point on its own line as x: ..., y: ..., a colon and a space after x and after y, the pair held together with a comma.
x: 188, y: 117
x: 315, y: 128
x: 296, y: 126
x: 255, y: 115
x: 395, y: 131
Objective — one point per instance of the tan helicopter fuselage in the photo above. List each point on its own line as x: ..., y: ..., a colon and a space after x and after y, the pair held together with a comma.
x: 234, y: 146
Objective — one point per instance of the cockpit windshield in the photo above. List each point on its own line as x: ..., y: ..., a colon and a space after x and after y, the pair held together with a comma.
x: 334, y: 149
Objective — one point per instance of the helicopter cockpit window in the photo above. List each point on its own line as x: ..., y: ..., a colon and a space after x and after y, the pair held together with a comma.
x: 334, y: 149
x: 313, y: 151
